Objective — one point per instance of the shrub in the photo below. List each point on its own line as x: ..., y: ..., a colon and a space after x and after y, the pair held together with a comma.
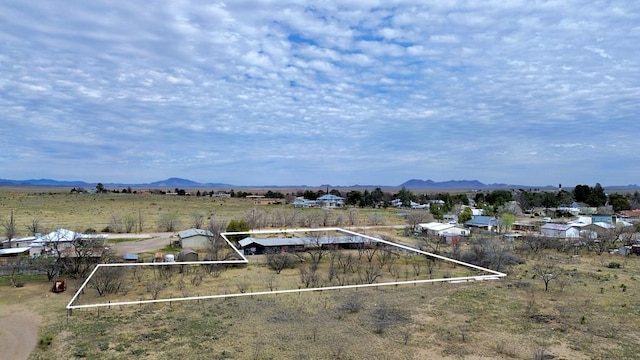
x: 614, y: 265
x: 45, y: 341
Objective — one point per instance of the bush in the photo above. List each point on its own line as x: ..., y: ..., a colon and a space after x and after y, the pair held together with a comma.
x: 45, y: 341
x: 280, y: 261
x: 614, y: 265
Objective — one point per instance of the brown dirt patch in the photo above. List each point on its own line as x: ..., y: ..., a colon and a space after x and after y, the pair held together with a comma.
x: 18, y: 332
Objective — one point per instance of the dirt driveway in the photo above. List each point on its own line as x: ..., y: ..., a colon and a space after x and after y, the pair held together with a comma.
x: 150, y: 242
x: 18, y: 333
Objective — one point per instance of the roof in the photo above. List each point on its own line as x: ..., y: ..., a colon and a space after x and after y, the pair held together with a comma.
x: 329, y: 197
x: 28, y: 238
x: 130, y: 257
x: 554, y: 226
x: 482, y: 221
x: 436, y: 226
x: 12, y: 251
x: 194, y: 232
x: 187, y: 251
x: 301, y: 241
x: 64, y: 235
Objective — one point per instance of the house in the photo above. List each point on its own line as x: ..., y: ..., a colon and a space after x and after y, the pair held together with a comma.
x: 330, y: 201
x: 65, y: 242
x: 440, y: 229
x: 18, y: 242
x: 610, y: 219
x: 562, y: 231
x: 8, y: 253
x: 595, y: 230
x: 256, y: 246
x: 301, y: 202
x: 195, y: 238
x: 488, y: 223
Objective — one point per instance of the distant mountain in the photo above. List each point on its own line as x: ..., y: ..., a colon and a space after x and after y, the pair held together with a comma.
x: 417, y: 184
x: 43, y: 182
x: 174, y: 183
x: 413, y: 184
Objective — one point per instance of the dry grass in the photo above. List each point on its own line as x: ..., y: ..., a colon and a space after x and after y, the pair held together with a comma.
x: 592, y: 314
x: 54, y: 208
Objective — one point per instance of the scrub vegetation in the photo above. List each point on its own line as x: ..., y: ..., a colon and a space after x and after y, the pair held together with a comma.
x: 557, y: 302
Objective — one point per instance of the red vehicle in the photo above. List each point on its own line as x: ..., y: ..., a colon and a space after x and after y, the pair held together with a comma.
x: 59, y: 286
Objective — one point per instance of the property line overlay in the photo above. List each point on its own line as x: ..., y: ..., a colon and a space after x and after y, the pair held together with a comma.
x: 493, y: 275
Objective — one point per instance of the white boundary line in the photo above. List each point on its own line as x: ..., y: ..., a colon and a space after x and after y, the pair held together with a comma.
x: 495, y: 275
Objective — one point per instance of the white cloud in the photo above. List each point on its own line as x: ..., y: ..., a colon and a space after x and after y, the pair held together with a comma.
x: 381, y: 91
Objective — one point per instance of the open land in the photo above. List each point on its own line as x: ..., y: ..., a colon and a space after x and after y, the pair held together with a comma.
x: 592, y: 312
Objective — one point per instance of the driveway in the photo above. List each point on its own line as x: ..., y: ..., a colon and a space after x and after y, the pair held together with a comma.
x: 150, y: 242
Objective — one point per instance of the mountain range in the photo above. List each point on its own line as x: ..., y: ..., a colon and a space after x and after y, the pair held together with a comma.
x: 413, y: 184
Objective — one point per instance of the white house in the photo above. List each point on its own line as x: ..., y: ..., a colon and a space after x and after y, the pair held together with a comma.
x: 64, y: 241
x: 441, y: 229
x: 330, y: 200
x: 563, y: 231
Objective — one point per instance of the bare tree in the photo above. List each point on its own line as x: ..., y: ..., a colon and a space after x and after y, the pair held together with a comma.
x: 115, y: 223
x: 370, y: 273
x: 352, y: 217
x: 140, y: 221
x: 169, y: 222
x: 15, y: 266
x: 291, y: 218
x: 278, y: 218
x: 9, y: 228
x: 215, y: 242
x: 108, y: 280
x: 198, y: 220
x: 129, y: 223
x: 547, y: 271
x: 47, y: 265
x: 375, y: 219
x: 309, y: 276
x: 255, y: 218
x: 416, y: 217
x: 326, y: 217
x: 311, y: 219
x: 155, y: 287
x: 34, y: 227
x: 315, y: 248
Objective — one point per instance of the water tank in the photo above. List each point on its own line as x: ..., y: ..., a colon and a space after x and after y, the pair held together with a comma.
x: 169, y: 258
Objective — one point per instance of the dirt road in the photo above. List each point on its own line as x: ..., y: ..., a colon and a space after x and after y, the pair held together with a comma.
x: 150, y: 242
x: 18, y: 332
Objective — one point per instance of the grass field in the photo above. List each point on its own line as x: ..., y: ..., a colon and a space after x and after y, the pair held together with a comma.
x: 55, y: 208
x: 592, y: 312
x: 592, y: 317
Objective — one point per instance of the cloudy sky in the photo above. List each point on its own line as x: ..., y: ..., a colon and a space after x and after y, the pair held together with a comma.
x: 327, y: 92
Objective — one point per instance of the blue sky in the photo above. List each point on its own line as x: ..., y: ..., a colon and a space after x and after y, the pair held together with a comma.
x: 332, y: 92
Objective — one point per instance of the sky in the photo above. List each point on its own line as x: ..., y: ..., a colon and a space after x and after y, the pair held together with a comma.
x: 338, y: 92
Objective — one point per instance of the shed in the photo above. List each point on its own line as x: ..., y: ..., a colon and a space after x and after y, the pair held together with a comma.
x: 187, y: 255
x: 195, y: 238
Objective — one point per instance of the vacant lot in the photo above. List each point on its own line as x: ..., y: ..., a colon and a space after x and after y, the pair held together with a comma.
x: 595, y: 315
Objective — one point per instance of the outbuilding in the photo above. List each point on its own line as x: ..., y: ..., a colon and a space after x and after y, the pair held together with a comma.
x: 187, y: 255
x: 195, y: 238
